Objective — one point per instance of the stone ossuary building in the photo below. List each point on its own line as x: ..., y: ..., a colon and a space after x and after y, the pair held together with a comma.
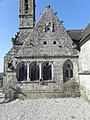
x: 44, y: 59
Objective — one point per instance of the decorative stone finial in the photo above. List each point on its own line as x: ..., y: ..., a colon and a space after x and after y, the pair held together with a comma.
x: 55, y: 13
x: 48, y: 6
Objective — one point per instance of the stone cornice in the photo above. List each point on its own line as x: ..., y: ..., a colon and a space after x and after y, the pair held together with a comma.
x: 46, y: 57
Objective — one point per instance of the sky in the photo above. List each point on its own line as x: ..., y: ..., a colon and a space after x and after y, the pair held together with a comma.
x: 75, y: 14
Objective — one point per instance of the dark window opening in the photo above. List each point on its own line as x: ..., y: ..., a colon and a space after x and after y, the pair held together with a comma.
x: 47, y: 64
x: 67, y: 73
x: 44, y: 42
x: 49, y: 24
x: 54, y: 42
x: 9, y: 65
x: 53, y: 27
x: 71, y: 73
x: 21, y: 72
x: 48, y: 29
x: 26, y: 6
x: 46, y: 71
x: 60, y: 46
x: 34, y: 71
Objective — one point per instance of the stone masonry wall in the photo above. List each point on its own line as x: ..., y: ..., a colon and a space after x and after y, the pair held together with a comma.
x: 55, y: 88
x: 84, y: 70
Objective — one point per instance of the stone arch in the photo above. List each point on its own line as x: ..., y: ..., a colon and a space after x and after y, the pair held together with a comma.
x: 46, y: 71
x: 34, y: 71
x: 67, y: 70
x: 21, y: 71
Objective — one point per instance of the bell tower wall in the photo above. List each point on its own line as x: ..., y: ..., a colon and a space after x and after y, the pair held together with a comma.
x: 27, y: 14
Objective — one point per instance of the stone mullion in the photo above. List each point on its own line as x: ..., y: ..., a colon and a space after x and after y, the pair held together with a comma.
x: 28, y: 79
x: 40, y: 72
x: 52, y: 70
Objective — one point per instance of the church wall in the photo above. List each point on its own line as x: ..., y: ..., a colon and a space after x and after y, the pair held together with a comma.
x: 53, y: 88
x: 84, y: 57
x: 84, y: 69
x: 85, y: 85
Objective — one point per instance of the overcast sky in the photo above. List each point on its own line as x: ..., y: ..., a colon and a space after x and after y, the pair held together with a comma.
x: 74, y: 13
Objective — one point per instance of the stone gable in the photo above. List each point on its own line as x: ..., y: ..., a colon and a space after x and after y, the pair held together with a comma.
x: 52, y: 42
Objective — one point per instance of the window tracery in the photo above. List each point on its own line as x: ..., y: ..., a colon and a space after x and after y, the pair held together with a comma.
x: 67, y: 70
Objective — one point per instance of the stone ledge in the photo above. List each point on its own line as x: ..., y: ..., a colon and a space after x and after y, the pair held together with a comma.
x: 85, y: 73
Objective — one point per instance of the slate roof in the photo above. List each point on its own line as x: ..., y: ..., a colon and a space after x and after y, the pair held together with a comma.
x: 75, y: 35
x: 86, y: 32
x: 78, y: 36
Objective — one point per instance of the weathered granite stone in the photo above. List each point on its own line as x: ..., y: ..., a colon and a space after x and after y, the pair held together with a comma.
x: 45, y: 41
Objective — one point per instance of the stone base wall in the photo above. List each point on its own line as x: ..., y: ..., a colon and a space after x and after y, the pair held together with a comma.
x: 47, y: 90
x: 85, y: 86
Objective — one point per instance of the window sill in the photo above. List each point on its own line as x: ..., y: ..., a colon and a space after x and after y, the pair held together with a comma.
x: 37, y: 81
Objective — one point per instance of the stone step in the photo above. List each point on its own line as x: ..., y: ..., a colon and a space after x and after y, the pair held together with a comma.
x: 1, y: 94
x: 0, y: 90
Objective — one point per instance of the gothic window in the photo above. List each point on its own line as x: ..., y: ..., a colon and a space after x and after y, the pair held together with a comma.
x: 34, y: 71
x: 67, y: 70
x: 21, y: 71
x: 46, y: 71
x: 26, y: 6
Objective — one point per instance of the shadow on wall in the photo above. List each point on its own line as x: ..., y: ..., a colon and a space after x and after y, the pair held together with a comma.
x: 71, y: 88
x: 12, y: 93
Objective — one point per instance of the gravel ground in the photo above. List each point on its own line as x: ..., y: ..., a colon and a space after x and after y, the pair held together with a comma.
x: 45, y: 109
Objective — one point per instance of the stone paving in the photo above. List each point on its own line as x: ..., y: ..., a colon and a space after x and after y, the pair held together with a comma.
x: 46, y: 109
